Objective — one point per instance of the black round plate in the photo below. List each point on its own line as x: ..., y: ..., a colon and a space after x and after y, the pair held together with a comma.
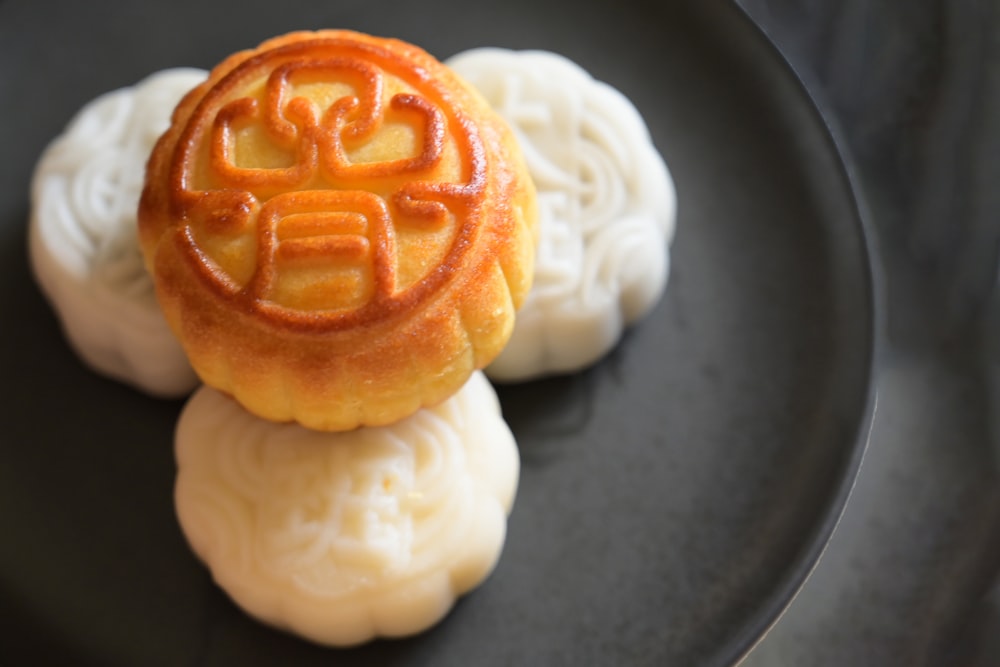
x: 672, y: 498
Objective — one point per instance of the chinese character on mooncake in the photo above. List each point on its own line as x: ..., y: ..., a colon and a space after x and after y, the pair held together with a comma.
x: 339, y: 229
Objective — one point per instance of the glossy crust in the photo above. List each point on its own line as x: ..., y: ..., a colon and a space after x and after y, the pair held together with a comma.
x: 339, y: 229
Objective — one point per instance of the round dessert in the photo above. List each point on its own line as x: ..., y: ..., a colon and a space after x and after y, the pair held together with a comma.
x: 82, y: 235
x: 606, y: 201
x: 339, y: 229
x: 343, y: 537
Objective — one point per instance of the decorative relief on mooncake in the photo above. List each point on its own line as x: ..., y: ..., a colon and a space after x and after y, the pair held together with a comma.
x: 339, y: 228
x: 345, y: 536
x: 84, y: 251
x: 606, y: 203
x: 321, y: 154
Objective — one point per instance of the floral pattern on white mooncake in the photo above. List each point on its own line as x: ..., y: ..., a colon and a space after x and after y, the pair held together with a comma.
x: 83, y: 237
x: 342, y: 537
x: 606, y: 201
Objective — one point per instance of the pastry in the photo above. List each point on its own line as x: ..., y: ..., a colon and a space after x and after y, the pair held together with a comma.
x: 339, y: 229
x: 82, y: 235
x: 606, y: 207
x: 343, y: 537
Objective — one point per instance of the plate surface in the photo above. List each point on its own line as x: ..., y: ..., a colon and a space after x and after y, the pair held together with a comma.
x: 672, y: 498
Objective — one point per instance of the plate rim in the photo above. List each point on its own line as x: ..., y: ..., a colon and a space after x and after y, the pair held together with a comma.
x: 770, y: 609
x: 767, y: 610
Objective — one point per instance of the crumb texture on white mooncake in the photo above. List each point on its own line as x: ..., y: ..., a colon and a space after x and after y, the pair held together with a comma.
x: 606, y: 202
x: 341, y: 537
x: 83, y: 239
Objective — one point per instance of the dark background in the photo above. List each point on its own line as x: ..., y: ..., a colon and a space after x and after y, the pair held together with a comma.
x: 910, y: 577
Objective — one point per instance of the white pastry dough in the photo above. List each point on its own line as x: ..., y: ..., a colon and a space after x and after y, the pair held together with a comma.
x: 607, y: 208
x: 342, y: 537
x: 82, y: 238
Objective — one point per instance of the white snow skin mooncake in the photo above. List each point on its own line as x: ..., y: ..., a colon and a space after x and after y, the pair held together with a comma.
x: 606, y: 203
x: 341, y: 537
x: 83, y: 238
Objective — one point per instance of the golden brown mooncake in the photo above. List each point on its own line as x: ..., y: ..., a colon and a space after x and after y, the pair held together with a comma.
x: 339, y: 229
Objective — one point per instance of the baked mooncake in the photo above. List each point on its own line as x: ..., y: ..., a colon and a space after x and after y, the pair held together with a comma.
x: 343, y: 537
x: 82, y: 235
x: 607, y: 208
x: 339, y: 228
